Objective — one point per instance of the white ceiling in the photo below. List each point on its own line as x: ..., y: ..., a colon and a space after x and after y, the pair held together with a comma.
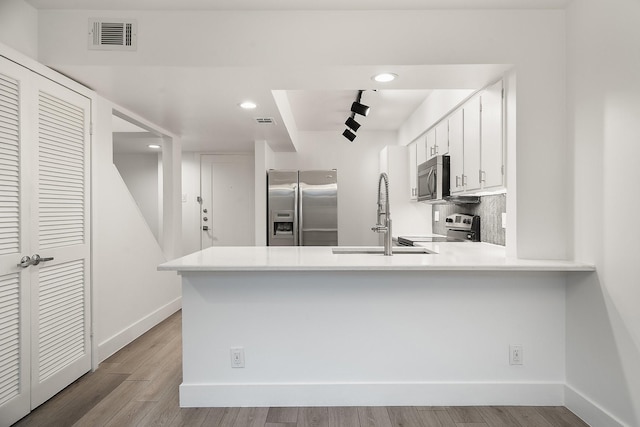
x: 199, y: 102
x: 316, y: 110
x: 130, y: 138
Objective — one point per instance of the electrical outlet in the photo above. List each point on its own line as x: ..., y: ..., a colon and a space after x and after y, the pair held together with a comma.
x: 237, y: 357
x: 516, y: 355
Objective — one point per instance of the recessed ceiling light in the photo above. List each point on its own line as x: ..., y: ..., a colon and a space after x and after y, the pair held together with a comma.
x: 384, y: 77
x: 248, y: 105
x: 154, y: 146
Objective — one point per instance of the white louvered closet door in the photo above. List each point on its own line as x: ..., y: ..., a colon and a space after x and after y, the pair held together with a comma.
x: 14, y: 280
x: 44, y: 210
x: 60, y: 320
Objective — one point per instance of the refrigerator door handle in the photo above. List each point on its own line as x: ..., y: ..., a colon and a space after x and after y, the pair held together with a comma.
x: 299, y: 212
x: 296, y: 218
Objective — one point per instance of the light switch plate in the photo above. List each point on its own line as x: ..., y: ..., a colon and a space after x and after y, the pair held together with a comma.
x: 436, y: 216
x: 504, y: 220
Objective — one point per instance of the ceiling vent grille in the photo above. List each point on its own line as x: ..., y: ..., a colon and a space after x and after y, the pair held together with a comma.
x: 113, y: 34
x: 265, y: 121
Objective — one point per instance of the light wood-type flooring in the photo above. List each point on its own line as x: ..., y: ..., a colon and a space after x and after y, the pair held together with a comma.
x: 138, y: 386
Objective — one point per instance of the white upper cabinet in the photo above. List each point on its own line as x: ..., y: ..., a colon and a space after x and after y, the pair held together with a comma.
x: 442, y: 138
x: 437, y: 139
x: 421, y: 149
x: 472, y: 136
x: 476, y: 143
x: 491, y: 138
x: 430, y: 140
x: 471, y: 177
x: 413, y: 169
x: 456, y: 151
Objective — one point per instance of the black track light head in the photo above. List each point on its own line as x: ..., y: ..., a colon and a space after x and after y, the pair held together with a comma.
x: 353, y: 125
x: 349, y: 135
x: 361, y: 109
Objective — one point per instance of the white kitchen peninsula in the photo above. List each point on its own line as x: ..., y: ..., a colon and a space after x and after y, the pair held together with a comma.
x: 318, y: 328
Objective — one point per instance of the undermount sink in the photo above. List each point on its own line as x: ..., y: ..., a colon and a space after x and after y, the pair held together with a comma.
x: 379, y: 250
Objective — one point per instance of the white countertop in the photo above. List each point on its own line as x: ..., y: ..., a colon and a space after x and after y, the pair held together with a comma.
x: 447, y: 257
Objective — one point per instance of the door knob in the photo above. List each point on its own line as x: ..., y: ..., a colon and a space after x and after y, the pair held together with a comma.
x: 25, y: 262
x: 36, y: 259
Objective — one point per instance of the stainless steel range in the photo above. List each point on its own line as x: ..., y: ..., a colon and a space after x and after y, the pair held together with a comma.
x: 460, y: 228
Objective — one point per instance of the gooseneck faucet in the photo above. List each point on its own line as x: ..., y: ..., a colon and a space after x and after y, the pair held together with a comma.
x: 386, y: 227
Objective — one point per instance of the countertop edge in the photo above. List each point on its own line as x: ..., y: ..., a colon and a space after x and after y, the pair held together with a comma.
x: 497, y: 268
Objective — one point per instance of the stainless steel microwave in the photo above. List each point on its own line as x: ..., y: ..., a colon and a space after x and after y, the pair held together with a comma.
x: 433, y: 179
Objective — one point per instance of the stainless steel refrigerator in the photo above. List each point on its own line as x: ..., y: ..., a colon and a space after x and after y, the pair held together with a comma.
x: 302, y: 208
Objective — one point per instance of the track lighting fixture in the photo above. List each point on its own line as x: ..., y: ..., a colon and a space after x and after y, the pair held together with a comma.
x: 349, y: 135
x: 361, y: 109
x: 353, y: 125
x: 356, y: 108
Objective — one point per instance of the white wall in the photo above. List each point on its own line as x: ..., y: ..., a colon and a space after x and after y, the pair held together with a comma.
x: 409, y: 38
x: 129, y: 295
x: 19, y: 26
x: 358, y: 169
x: 603, y: 316
x: 140, y: 173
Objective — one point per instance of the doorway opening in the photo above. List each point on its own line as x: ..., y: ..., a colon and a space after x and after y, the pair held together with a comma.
x: 138, y: 157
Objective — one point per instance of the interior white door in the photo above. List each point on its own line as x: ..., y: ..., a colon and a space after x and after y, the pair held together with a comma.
x: 44, y: 212
x: 227, y: 200
x: 14, y: 281
x: 60, y: 335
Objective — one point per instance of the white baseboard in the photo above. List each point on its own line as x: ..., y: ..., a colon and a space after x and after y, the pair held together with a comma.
x: 589, y: 411
x: 130, y: 333
x: 371, y: 394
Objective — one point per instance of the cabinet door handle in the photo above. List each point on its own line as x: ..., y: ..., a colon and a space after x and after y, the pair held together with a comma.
x: 464, y: 180
x: 482, y: 176
x: 457, y: 181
